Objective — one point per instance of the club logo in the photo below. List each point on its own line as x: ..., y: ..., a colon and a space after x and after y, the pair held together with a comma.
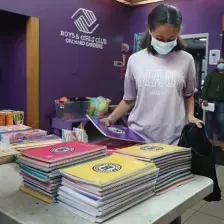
x: 62, y: 149
x: 116, y: 130
x: 85, y: 20
x: 151, y: 148
x: 107, y: 168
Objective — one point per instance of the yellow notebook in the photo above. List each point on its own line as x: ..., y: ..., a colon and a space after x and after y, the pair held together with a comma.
x: 151, y: 150
x: 36, y: 194
x: 107, y: 170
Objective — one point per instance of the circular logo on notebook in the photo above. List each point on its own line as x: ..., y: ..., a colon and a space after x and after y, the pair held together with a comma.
x: 107, y: 168
x: 151, y: 148
x: 62, y: 149
x: 116, y: 130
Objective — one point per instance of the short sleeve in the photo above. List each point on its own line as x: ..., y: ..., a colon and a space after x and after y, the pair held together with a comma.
x: 130, y: 90
x: 190, y: 87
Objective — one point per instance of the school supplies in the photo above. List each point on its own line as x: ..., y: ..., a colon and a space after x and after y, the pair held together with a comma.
x: 174, y: 163
x: 114, y: 144
x: 115, y: 131
x: 13, y: 128
x: 21, y: 136
x: 10, y: 117
x: 77, y: 134
x: 39, y: 166
x: 35, y: 142
x: 100, y: 189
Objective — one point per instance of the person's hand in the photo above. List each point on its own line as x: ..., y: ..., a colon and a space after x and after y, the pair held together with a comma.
x: 194, y: 120
x: 107, y: 121
x: 205, y: 103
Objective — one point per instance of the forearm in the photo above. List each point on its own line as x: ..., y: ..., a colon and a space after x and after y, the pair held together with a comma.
x: 123, y: 107
x: 189, y: 106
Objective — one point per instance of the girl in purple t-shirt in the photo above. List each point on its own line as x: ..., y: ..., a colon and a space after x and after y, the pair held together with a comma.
x: 160, y: 82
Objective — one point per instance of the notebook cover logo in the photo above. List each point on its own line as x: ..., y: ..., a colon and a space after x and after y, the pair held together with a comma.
x: 151, y: 148
x: 116, y: 130
x: 62, y: 149
x: 107, y: 168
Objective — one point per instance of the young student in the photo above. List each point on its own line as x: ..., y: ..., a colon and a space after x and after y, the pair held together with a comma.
x: 160, y: 82
x: 213, y: 91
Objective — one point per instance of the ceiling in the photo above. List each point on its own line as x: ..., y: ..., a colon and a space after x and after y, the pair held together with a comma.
x: 138, y: 2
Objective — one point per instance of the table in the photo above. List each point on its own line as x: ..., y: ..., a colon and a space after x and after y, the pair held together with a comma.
x: 24, y: 209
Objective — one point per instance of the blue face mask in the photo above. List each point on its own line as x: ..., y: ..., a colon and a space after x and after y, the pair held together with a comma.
x: 163, y: 48
x: 220, y: 66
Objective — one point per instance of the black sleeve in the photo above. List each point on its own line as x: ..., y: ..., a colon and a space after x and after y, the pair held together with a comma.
x: 206, y: 86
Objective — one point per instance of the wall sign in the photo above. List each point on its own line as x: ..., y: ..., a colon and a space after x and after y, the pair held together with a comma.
x: 214, y: 56
x: 85, y: 23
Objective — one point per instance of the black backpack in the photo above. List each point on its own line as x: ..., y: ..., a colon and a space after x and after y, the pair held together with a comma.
x: 203, y: 158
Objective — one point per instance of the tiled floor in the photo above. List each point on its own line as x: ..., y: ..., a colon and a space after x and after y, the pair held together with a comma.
x: 207, y: 213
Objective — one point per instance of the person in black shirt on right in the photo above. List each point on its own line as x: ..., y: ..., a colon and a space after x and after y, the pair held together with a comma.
x: 213, y: 91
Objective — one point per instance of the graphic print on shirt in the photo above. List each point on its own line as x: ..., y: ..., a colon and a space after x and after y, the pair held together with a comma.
x: 160, y: 81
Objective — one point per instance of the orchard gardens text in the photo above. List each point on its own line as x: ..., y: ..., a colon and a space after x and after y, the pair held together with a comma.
x: 83, y: 40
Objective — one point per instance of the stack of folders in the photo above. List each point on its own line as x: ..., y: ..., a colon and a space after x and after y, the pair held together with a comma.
x: 13, y: 128
x: 174, y: 163
x: 40, y: 166
x: 103, y: 188
x: 15, y: 137
x: 36, y: 142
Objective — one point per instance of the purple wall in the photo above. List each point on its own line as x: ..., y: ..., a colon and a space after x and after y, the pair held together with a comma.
x: 13, y: 61
x: 199, y: 16
x: 67, y: 69
x: 3, y: 70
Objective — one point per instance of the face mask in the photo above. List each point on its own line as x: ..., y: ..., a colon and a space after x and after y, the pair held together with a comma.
x: 221, y: 66
x: 163, y: 48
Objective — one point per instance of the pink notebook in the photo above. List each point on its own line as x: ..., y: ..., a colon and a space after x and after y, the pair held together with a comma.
x: 61, y: 151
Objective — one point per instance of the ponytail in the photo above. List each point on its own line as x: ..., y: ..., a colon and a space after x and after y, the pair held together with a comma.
x: 145, y: 41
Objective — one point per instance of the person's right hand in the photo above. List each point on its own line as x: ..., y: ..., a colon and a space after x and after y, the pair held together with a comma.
x: 107, y: 121
x: 205, y: 103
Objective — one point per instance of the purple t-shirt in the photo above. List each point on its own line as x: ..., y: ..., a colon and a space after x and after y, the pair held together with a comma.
x: 159, y: 84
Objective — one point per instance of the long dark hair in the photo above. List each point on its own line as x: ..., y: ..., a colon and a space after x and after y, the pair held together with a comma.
x: 161, y: 15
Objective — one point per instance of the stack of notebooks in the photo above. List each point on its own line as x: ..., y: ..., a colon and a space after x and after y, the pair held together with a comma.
x: 114, y: 144
x: 13, y: 128
x: 174, y: 163
x: 36, y: 142
x: 40, y: 166
x: 16, y: 137
x: 103, y: 188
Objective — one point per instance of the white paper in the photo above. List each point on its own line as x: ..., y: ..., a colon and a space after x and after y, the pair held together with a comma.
x: 76, y: 134
x: 210, y: 107
x: 214, y: 57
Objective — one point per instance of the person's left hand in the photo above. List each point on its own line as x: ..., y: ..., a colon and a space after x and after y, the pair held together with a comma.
x: 194, y: 120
